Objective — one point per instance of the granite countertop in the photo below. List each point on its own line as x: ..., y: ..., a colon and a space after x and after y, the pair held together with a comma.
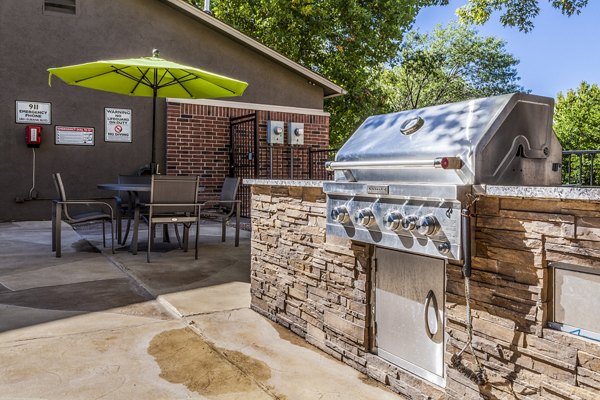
x: 538, y: 192
x: 545, y: 192
x: 283, y: 182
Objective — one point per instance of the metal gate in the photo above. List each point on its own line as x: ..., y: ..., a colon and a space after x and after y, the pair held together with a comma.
x: 243, y: 154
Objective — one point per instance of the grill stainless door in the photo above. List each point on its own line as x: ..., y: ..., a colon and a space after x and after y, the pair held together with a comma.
x: 409, y: 316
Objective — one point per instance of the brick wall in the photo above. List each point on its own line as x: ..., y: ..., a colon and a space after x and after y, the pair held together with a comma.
x: 319, y: 288
x: 198, y: 138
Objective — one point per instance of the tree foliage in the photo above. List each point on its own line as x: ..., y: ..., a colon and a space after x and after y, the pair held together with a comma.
x: 356, y: 43
x: 343, y: 40
x: 519, y: 13
x: 336, y: 38
x: 577, y: 118
x: 451, y: 63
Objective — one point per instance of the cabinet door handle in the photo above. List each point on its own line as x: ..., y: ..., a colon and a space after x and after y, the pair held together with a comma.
x: 428, y: 299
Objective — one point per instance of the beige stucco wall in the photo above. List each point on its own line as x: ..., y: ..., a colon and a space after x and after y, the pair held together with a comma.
x: 33, y: 41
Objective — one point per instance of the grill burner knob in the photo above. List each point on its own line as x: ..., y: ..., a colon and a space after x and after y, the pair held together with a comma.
x: 409, y: 222
x: 444, y: 248
x: 392, y: 220
x: 427, y: 225
x: 364, y: 217
x: 340, y: 214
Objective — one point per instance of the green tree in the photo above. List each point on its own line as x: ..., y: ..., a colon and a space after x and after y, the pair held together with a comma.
x: 451, y: 63
x: 577, y: 125
x: 517, y: 13
x: 577, y: 118
x: 343, y: 40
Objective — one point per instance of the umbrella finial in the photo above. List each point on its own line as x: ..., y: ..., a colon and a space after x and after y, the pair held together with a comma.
x: 155, y: 53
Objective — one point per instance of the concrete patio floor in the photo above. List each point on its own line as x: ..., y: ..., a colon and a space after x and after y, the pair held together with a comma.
x: 96, y: 325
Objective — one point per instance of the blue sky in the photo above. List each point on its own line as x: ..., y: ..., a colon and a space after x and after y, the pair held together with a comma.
x: 555, y: 56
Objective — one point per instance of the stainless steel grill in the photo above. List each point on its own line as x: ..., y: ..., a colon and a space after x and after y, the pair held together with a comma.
x: 402, y: 178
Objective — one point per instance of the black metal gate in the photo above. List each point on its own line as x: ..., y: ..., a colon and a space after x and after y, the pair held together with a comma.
x: 243, y: 154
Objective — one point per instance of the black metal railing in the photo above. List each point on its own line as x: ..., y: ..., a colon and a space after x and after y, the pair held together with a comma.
x: 294, y: 162
x: 316, y: 163
x: 581, y: 167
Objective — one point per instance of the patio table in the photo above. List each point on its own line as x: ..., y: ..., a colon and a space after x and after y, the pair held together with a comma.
x: 133, y: 190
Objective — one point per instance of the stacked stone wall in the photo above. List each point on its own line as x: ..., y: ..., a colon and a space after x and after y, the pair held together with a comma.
x: 320, y: 288
x: 516, y: 240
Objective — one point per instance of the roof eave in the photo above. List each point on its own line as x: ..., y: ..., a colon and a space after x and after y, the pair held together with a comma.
x: 330, y: 89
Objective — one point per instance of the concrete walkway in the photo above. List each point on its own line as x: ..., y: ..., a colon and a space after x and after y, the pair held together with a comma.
x: 94, y: 325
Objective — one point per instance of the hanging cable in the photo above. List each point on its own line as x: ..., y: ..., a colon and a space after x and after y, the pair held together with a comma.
x: 479, y: 376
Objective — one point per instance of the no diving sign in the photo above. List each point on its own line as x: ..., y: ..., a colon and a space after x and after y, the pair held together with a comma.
x: 117, y: 124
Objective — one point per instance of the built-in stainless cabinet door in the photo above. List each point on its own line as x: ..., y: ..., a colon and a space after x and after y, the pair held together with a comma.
x: 409, y: 312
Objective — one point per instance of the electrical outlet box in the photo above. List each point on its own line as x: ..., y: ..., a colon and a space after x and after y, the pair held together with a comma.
x: 295, y: 133
x: 275, y: 132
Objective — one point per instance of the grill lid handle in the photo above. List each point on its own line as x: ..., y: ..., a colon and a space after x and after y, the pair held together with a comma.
x: 439, y: 162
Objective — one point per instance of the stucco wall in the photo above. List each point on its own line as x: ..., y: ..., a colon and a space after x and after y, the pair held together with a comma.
x: 33, y: 41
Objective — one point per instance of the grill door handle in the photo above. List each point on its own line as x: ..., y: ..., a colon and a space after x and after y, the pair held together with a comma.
x: 439, y: 162
x: 428, y: 299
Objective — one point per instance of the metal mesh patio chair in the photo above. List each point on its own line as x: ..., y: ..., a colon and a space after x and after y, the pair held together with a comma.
x: 173, y: 200
x: 225, y: 207
x: 60, y: 211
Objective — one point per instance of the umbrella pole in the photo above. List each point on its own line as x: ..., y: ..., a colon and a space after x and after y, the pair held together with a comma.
x: 153, y: 165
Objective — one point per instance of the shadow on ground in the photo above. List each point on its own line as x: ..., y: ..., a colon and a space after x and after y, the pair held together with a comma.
x: 95, y: 325
x: 37, y: 287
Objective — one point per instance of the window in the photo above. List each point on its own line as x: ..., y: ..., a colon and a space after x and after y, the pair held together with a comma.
x: 60, y: 7
x: 575, y: 299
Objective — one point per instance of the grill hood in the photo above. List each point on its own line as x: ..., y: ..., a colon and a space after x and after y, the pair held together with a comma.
x: 501, y: 140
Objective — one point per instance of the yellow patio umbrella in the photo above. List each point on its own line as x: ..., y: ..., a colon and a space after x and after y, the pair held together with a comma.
x: 150, y: 77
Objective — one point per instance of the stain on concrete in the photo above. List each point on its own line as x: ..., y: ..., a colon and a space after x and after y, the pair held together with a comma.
x: 105, y: 343
x: 289, y: 336
x: 372, y: 382
x: 185, y: 358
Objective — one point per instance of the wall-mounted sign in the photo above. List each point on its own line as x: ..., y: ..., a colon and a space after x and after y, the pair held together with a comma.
x: 33, y: 112
x: 74, y: 135
x: 117, y: 124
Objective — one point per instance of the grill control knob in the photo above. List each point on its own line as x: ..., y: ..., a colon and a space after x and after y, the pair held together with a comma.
x: 409, y: 222
x: 428, y: 225
x: 364, y: 217
x: 340, y: 214
x: 444, y: 247
x: 393, y: 220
